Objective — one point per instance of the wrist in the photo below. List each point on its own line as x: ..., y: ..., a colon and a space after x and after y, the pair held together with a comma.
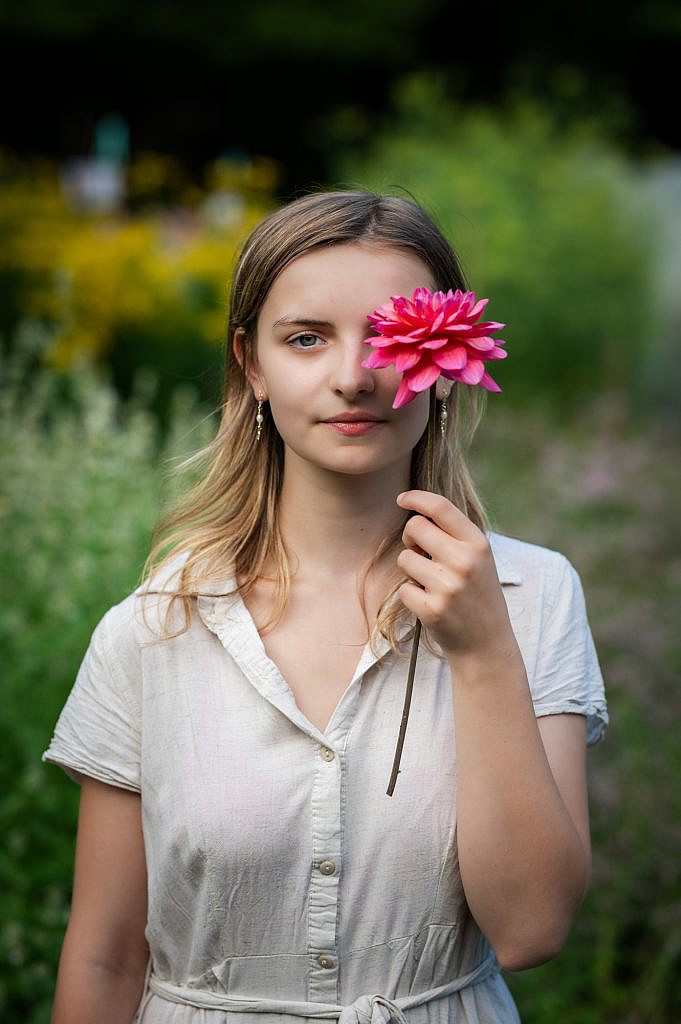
x: 496, y: 661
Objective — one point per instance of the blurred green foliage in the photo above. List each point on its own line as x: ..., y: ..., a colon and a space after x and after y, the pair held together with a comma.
x: 79, y: 494
x: 82, y: 484
x: 548, y: 222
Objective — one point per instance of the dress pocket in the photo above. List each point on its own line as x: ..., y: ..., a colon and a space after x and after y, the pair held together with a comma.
x: 385, y: 967
x: 437, y: 962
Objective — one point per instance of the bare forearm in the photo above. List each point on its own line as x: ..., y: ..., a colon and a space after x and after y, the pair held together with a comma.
x: 92, y: 993
x: 523, y: 865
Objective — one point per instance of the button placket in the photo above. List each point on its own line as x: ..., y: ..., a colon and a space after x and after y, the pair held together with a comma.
x: 324, y: 877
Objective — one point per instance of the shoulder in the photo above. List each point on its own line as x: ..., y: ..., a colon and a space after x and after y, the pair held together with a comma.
x: 527, y: 565
x: 540, y: 580
x: 135, y: 621
x: 548, y: 614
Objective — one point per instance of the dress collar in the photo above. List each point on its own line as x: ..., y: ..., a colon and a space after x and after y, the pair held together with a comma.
x: 508, y: 570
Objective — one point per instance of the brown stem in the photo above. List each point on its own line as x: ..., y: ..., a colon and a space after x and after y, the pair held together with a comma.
x: 417, y: 630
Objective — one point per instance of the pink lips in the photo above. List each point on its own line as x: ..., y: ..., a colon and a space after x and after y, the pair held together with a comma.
x: 353, y: 428
x: 353, y: 424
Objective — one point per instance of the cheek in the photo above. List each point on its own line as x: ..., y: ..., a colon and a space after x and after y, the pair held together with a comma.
x: 415, y: 421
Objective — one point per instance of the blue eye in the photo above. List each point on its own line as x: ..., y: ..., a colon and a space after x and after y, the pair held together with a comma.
x: 302, y: 338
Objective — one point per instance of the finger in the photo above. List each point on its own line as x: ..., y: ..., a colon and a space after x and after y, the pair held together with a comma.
x: 417, y: 601
x: 446, y: 515
x: 423, y: 535
x: 430, y: 575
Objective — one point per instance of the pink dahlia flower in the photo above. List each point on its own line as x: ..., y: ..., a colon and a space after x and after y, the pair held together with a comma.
x: 434, y: 333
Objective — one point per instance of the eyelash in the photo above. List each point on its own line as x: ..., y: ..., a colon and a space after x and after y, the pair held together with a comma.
x: 304, y: 334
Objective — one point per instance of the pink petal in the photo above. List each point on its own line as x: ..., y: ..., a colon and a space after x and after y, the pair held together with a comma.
x: 377, y: 360
x: 481, y: 344
x: 486, y: 327
x: 411, y: 338
x: 404, y: 395
x: 489, y: 384
x: 452, y: 359
x: 378, y: 341
x: 478, y: 308
x: 435, y: 343
x: 437, y: 322
x: 473, y: 372
x: 421, y: 379
x: 405, y: 360
x: 497, y: 353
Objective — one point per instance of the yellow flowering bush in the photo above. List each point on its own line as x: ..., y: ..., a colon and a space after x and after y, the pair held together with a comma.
x: 161, y: 266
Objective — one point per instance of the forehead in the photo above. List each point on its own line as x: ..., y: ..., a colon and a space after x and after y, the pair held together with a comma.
x: 349, y: 279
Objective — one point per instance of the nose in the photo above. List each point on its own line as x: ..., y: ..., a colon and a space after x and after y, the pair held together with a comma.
x: 349, y: 377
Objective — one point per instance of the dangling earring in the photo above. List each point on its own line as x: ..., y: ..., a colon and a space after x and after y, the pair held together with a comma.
x: 443, y: 417
x: 259, y: 419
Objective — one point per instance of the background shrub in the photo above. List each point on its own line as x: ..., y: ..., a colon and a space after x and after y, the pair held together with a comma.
x: 81, y: 488
x: 549, y: 224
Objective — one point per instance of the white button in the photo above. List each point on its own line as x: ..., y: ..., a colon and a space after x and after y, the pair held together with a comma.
x: 324, y: 961
x: 327, y: 867
x: 327, y: 753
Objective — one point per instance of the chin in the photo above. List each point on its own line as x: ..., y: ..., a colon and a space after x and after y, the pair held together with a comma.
x: 358, y: 466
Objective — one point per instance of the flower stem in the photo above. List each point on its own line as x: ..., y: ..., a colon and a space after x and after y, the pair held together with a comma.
x: 432, y: 415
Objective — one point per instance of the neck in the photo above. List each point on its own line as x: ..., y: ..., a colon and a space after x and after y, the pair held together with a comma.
x: 333, y: 523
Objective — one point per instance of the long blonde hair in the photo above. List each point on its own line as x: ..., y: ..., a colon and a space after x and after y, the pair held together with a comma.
x: 227, y: 525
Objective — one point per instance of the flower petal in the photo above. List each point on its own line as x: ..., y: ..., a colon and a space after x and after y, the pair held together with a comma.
x: 452, y: 359
x: 420, y: 295
x: 481, y: 344
x: 489, y: 384
x: 437, y: 322
x: 497, y: 353
x: 411, y: 337
x: 377, y: 360
x: 473, y: 372
x: 379, y: 341
x: 405, y: 360
x: 435, y: 343
x: 485, y: 327
x: 422, y: 378
x: 404, y: 394
x: 478, y: 308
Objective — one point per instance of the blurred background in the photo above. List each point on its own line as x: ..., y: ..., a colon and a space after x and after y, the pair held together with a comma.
x: 139, y: 143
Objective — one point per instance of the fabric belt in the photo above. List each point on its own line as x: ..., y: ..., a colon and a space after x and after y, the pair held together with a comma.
x: 366, y: 1009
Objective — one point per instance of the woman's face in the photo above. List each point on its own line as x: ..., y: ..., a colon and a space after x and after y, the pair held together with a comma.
x: 309, y: 351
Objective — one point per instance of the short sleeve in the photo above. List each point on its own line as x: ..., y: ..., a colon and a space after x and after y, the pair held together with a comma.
x: 568, y: 676
x: 98, y: 731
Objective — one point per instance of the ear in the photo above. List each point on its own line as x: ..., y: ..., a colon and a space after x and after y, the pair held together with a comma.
x: 443, y: 387
x: 242, y: 357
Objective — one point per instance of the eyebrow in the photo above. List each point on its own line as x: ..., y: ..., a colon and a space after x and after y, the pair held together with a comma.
x: 301, y: 321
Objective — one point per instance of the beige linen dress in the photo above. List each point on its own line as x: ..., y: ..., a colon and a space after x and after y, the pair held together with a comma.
x: 283, y: 883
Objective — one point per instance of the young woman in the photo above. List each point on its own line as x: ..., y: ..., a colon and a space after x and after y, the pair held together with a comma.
x: 234, y: 720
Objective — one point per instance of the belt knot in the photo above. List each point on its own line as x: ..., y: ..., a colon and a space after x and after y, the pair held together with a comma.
x: 372, y: 1010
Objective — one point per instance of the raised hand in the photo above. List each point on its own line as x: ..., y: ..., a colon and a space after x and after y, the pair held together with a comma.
x: 456, y: 591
